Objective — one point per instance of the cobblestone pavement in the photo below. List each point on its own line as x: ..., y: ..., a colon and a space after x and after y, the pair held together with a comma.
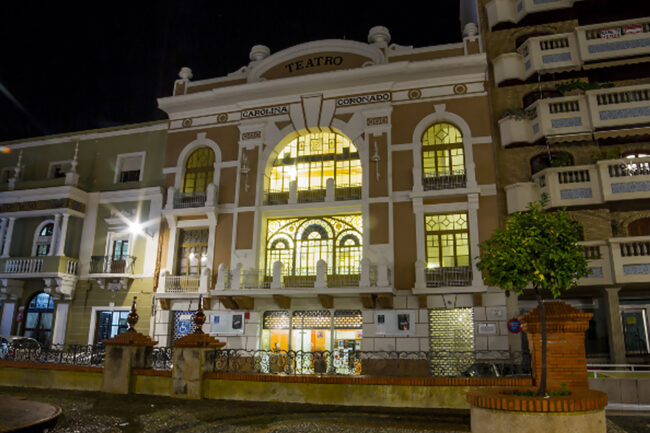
x: 94, y: 412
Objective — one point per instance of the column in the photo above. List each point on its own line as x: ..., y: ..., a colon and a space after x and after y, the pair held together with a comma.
x: 614, y: 325
x: 62, y: 235
x: 60, y: 323
x: 3, y: 226
x: 55, y: 234
x: 7, y: 243
x: 8, y: 309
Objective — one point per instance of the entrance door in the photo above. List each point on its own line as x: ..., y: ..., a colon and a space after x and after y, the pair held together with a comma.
x: 38, y: 318
x: 635, y: 332
x: 309, y: 345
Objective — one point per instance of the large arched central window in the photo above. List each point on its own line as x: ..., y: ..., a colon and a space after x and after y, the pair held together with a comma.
x: 310, y: 160
x: 443, y: 161
x: 299, y: 243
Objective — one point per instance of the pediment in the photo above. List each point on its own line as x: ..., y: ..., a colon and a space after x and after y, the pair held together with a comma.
x: 316, y: 57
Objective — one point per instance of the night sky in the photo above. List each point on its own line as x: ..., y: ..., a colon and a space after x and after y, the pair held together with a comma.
x: 98, y: 64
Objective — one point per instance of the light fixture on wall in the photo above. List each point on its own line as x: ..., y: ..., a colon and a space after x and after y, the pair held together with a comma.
x: 245, y: 169
x: 136, y: 228
x: 376, y: 158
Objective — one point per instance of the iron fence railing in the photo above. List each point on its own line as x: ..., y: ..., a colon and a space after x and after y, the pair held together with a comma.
x: 444, y: 179
x: 184, y: 200
x: 456, y: 276
x: 162, y: 358
x: 111, y: 265
x: 73, y: 354
x: 487, y: 363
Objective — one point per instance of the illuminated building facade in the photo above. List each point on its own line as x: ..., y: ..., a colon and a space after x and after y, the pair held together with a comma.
x: 344, y: 189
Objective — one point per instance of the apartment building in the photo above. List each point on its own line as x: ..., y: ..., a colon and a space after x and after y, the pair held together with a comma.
x: 79, y: 223
x: 569, y: 85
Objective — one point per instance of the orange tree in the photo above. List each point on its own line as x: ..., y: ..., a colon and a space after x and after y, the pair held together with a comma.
x: 536, y: 249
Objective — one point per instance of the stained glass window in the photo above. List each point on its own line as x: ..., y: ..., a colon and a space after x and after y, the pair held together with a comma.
x: 313, y: 158
x: 447, y: 240
x: 299, y: 243
x: 199, y: 170
x: 442, y: 151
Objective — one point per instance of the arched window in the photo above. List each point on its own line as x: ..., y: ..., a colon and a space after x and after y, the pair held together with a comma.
x: 199, y: 171
x: 38, y: 318
x: 554, y: 159
x: 310, y: 160
x: 443, y: 160
x: 640, y: 227
x: 299, y: 243
x: 43, y: 241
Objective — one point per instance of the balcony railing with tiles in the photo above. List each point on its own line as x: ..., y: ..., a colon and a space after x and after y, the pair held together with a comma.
x: 27, y: 266
x: 110, y: 265
x: 570, y: 51
x: 513, y: 11
x: 444, y: 180
x: 606, y: 181
x: 368, y: 275
x: 600, y: 264
x: 185, y: 283
x: 631, y: 259
x: 575, y: 118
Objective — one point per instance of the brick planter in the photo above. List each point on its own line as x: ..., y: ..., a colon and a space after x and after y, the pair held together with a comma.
x: 499, y: 410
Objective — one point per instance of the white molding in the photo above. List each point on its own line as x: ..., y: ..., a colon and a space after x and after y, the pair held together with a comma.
x: 35, y: 194
x: 89, y: 226
x: 87, y: 136
x: 127, y: 195
x: 118, y: 162
x: 200, y: 141
x: 169, y: 170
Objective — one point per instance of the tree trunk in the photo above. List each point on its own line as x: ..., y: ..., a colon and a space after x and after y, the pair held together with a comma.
x: 542, y: 318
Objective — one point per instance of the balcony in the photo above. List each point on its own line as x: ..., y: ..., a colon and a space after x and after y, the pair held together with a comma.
x: 177, y: 200
x: 444, y: 180
x: 572, y: 51
x: 277, y: 280
x: 538, y: 55
x: 513, y: 11
x: 184, y: 284
x: 107, y: 265
x: 606, y: 181
x: 631, y: 259
x: 330, y: 193
x: 600, y: 263
x: 573, y: 118
x: 442, y: 278
x: 38, y: 267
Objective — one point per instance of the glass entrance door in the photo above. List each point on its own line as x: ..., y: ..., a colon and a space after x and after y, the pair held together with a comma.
x: 635, y: 332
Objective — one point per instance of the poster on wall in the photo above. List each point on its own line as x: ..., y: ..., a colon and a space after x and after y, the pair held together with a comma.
x: 227, y: 322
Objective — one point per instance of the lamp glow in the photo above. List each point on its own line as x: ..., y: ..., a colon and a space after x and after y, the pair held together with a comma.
x: 135, y: 227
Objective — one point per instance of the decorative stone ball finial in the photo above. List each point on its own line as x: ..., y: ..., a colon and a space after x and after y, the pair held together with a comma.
x: 470, y: 30
x: 379, y: 35
x: 259, y: 52
x: 185, y: 73
x: 132, y: 319
x: 199, y: 317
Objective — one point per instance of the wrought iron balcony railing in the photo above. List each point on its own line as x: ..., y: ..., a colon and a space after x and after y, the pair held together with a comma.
x: 111, y: 265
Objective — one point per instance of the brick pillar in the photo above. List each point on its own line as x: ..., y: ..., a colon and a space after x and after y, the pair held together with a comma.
x: 125, y: 352
x: 566, y: 359
x: 190, y: 363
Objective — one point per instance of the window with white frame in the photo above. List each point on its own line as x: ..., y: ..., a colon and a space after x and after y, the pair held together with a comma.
x: 109, y: 324
x: 43, y: 239
x: 58, y: 169
x: 129, y: 167
x: 6, y: 173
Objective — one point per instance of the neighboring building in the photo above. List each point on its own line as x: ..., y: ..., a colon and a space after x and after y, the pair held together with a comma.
x: 332, y: 196
x: 79, y: 222
x: 569, y: 86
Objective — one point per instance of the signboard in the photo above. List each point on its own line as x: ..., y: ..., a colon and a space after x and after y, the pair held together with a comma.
x: 487, y: 328
x: 363, y: 99
x: 265, y: 111
x: 610, y: 33
x: 514, y: 326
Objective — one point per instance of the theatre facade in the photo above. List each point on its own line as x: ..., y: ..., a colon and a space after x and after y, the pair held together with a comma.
x: 332, y: 196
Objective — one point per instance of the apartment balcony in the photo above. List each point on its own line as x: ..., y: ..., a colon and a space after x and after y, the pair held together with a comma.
x: 444, y: 180
x: 513, y: 11
x: 582, y: 185
x: 631, y: 259
x: 107, y: 265
x: 448, y: 279
x: 616, y: 39
x: 37, y: 267
x: 605, y: 113
x: 574, y: 51
x: 330, y: 193
x: 600, y: 264
x: 191, y: 203
x: 538, y: 55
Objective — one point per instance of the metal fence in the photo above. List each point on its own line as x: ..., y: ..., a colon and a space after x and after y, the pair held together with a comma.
x: 73, y: 354
x: 488, y: 363
x: 162, y: 358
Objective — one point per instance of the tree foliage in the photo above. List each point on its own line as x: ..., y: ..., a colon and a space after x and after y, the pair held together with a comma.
x: 536, y: 248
